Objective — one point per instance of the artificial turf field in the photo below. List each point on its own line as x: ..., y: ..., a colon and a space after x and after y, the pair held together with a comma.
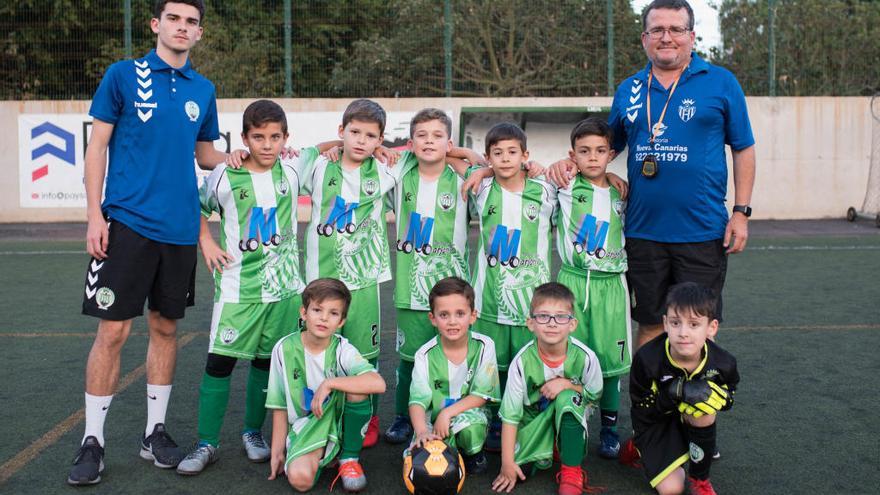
x: 802, y: 315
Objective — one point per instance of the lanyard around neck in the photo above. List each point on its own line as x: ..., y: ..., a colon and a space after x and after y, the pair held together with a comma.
x: 663, y: 113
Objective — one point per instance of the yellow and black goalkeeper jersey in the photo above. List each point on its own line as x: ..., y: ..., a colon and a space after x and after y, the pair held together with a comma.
x: 653, y: 368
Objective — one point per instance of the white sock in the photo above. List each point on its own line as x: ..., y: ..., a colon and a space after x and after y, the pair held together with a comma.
x: 96, y: 412
x: 157, y: 404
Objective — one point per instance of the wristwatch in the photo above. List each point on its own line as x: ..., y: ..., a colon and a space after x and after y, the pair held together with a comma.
x: 744, y: 209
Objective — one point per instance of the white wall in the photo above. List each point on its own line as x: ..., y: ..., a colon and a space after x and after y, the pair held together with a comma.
x: 813, y: 153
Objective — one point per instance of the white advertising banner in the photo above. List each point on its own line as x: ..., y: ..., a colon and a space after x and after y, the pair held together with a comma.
x: 52, y: 149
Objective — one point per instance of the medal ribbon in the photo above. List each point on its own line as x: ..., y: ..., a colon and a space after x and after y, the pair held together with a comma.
x: 663, y: 113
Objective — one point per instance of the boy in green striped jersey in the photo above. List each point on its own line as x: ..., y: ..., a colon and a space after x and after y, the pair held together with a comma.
x: 455, y: 375
x: 553, y: 383
x: 432, y: 225
x: 347, y: 238
x: 589, y: 236
x: 319, y: 388
x: 513, y: 256
x: 257, y: 277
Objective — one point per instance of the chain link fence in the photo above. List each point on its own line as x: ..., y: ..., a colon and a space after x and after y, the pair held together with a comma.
x: 59, y: 49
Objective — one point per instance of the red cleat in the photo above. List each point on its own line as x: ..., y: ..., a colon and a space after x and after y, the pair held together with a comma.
x: 701, y: 487
x: 571, y: 480
x: 629, y: 455
x: 371, y: 438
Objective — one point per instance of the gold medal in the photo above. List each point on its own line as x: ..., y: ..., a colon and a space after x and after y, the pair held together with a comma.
x: 650, y: 167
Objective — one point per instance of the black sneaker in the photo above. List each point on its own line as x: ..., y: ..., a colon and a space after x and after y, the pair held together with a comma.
x: 400, y: 431
x: 88, y: 463
x: 161, y: 449
x: 476, y: 464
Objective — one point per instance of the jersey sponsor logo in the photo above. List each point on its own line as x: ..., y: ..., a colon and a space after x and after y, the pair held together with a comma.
x: 504, y: 247
x: 370, y: 187
x: 666, y: 378
x: 144, y: 91
x: 340, y: 218
x: 687, y: 109
x: 445, y: 201
x: 492, y: 210
x: 262, y: 228
x: 228, y: 335
x: 418, y: 233
x: 296, y: 373
x: 192, y: 110
x: 659, y: 128
x: 408, y: 197
x: 636, y: 92
x: 105, y: 298
x: 711, y: 373
x: 591, y: 237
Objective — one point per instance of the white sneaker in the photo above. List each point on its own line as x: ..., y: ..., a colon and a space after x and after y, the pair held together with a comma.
x: 197, y: 460
x: 255, y: 446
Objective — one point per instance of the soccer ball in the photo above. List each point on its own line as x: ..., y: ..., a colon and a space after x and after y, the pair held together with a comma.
x: 435, y: 469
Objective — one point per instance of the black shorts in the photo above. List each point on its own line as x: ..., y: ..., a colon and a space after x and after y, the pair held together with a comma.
x: 137, y: 268
x: 663, y: 447
x: 656, y: 266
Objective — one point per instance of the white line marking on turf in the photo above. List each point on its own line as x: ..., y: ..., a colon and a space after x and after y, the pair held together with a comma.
x: 38, y: 253
x: 12, y: 466
x: 90, y: 334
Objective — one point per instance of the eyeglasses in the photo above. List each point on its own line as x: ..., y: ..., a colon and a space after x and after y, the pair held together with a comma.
x: 544, y: 318
x: 674, y: 32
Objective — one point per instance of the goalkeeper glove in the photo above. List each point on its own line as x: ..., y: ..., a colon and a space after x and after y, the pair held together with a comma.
x: 698, y: 397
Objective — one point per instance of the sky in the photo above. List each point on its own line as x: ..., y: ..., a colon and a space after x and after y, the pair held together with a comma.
x: 706, y: 21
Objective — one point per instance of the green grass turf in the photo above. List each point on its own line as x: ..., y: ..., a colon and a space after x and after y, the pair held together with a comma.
x: 804, y: 421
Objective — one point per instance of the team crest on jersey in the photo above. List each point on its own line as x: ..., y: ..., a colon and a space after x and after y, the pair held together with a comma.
x: 577, y: 399
x: 617, y: 205
x: 438, y: 384
x: 283, y: 187
x: 687, y: 109
x: 228, y: 335
x: 105, y: 298
x: 711, y: 373
x: 370, y: 187
x: 470, y: 375
x: 192, y: 110
x: 445, y: 201
x: 296, y: 373
x: 532, y: 212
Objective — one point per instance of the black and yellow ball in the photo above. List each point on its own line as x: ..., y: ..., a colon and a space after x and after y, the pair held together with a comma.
x: 434, y: 469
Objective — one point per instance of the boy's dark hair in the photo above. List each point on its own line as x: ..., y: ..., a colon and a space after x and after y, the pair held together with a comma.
x: 364, y: 110
x: 592, y: 126
x: 323, y: 289
x: 159, y: 6
x: 692, y: 296
x: 450, y: 286
x: 503, y: 132
x: 427, y: 115
x: 671, y: 5
x: 552, y: 291
x: 262, y: 112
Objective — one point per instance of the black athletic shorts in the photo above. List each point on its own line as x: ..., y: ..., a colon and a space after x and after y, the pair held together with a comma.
x: 656, y: 266
x: 137, y: 269
x: 663, y: 447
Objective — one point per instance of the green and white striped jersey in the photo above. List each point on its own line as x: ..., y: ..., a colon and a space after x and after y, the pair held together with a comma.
x: 514, y: 251
x: 347, y: 237
x: 438, y: 383
x: 432, y: 225
x: 589, y: 227
x: 295, y: 374
x: 528, y: 373
x: 258, y: 229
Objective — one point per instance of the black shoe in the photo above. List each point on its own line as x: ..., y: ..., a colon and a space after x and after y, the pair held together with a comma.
x: 400, y: 431
x: 475, y: 464
x: 493, y: 438
x: 161, y: 449
x: 88, y: 463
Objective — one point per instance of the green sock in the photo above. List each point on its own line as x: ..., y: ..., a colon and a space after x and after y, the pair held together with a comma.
x: 610, y: 401
x: 572, y: 441
x: 213, y: 398
x: 255, y: 403
x: 374, y: 398
x: 354, y: 420
x: 404, y: 380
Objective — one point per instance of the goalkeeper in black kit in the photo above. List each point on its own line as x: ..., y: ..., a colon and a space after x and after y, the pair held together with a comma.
x: 678, y: 382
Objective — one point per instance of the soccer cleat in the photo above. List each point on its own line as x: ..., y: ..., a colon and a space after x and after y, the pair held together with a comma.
x: 160, y: 448
x: 475, y: 464
x: 196, y: 461
x: 88, y: 463
x: 629, y: 455
x: 371, y: 438
x: 255, y: 446
x: 609, y: 443
x: 701, y: 487
x: 493, y: 439
x: 400, y: 431
x: 570, y: 480
x: 352, y: 475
